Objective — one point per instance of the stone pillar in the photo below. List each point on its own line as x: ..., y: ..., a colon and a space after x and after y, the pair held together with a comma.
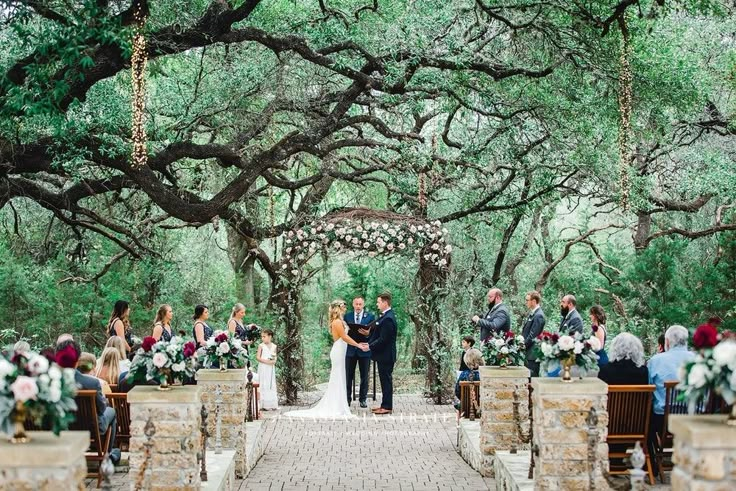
x: 46, y: 463
x: 229, y: 388
x: 498, y: 430
x: 165, y: 438
x: 704, y: 453
x: 561, y: 433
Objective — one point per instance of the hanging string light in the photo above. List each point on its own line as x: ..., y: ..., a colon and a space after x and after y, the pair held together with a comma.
x: 138, y: 62
x: 625, y: 81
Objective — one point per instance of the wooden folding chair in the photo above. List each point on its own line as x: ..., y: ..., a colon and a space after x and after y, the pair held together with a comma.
x: 469, y: 399
x: 86, y: 420
x: 119, y: 402
x: 629, y: 413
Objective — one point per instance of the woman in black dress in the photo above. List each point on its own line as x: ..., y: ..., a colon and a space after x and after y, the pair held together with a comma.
x: 119, y: 325
x: 201, y: 331
x: 162, y: 323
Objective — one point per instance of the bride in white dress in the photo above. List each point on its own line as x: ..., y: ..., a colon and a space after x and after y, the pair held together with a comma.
x: 334, y: 403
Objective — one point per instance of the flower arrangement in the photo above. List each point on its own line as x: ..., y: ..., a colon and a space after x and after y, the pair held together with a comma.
x: 370, y: 237
x: 504, y: 349
x: 713, y: 370
x: 224, y: 349
x: 36, y: 387
x: 568, y: 350
x: 164, y: 362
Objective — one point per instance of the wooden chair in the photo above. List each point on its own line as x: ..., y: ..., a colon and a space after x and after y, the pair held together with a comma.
x: 86, y: 420
x: 113, y: 388
x: 629, y: 413
x: 469, y: 400
x: 255, y: 400
x: 119, y: 402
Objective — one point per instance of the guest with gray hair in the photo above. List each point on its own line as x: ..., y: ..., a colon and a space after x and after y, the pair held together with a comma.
x: 665, y: 367
x: 22, y: 347
x: 626, y: 365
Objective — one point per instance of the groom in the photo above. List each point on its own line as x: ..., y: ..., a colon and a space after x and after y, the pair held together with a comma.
x: 382, y: 343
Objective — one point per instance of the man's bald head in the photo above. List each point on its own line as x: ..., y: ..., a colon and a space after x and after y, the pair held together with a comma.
x: 569, y: 301
x: 495, y: 296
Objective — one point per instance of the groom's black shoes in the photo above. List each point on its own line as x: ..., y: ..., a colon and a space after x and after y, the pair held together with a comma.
x: 363, y: 404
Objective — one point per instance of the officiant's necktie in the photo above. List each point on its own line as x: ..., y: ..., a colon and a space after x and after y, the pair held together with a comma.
x: 358, y: 317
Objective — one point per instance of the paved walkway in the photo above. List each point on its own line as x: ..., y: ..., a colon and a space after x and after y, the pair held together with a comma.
x: 413, y: 449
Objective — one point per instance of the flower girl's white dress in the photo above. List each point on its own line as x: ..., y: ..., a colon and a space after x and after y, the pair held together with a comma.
x: 267, y: 381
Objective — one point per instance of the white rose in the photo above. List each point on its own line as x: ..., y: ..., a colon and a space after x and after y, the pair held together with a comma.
x: 354, y: 241
x: 294, y: 272
x: 6, y: 368
x: 178, y: 367
x: 595, y: 343
x: 413, y: 229
x: 172, y: 348
x: 364, y: 236
x: 372, y: 254
x: 359, y: 228
x: 366, y: 245
x: 448, y: 249
x: 505, y: 350
x: 290, y: 234
x: 284, y: 266
x: 159, y: 360
x: 312, y: 231
x: 390, y: 247
x: 698, y: 376
x: 499, y: 342
x: 520, y: 339
x: 566, y: 343
x: 410, y: 240
x: 443, y: 262
x: 38, y: 364
x: 24, y: 388
x: 437, y: 223
x: 54, y: 373
x: 330, y: 227
x: 224, y: 348
x: 55, y: 392
x: 578, y: 347
x: 546, y: 349
x: 385, y: 226
x: 724, y: 354
x: 402, y: 246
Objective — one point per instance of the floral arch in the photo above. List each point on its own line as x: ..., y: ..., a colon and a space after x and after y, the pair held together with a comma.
x: 375, y: 234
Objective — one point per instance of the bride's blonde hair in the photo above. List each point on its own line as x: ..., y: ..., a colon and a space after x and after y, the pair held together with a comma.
x: 336, y: 309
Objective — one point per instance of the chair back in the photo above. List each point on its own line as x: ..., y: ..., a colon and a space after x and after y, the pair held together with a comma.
x: 119, y: 402
x: 469, y: 392
x: 629, y: 411
x: 113, y: 387
x: 86, y: 420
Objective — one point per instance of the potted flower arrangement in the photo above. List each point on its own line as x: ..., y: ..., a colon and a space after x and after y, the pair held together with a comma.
x: 224, y: 349
x: 37, y: 388
x: 568, y: 350
x: 713, y: 370
x: 504, y: 349
x: 164, y: 362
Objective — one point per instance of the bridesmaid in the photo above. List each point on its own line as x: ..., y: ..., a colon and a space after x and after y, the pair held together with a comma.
x: 202, y: 332
x: 598, y: 325
x: 235, y: 324
x: 119, y: 325
x: 162, y: 323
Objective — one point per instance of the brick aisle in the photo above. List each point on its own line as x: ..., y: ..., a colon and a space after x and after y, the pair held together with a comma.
x: 413, y: 449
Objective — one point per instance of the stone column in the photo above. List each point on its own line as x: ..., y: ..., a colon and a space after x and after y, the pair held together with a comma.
x: 498, y: 430
x: 704, y: 453
x: 165, y: 438
x: 229, y: 388
x: 46, y: 463
x: 560, y: 409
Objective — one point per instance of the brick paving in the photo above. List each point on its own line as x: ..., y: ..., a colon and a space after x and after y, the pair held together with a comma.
x: 412, y: 450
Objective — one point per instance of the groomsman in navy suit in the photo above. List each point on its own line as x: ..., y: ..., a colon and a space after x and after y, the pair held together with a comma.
x: 357, y: 356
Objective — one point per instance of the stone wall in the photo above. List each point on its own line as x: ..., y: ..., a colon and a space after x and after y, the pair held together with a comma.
x: 231, y: 387
x: 46, y: 463
x: 704, y: 453
x: 165, y: 438
x: 498, y: 431
x: 468, y: 442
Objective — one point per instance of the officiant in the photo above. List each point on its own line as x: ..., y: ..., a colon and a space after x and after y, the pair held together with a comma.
x: 355, y: 356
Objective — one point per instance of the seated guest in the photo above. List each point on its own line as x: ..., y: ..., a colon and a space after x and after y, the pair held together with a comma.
x: 21, y: 347
x: 67, y: 356
x: 626, y: 365
x: 473, y: 359
x: 63, y: 337
x: 109, y: 370
x: 665, y: 367
x: 467, y: 343
x: 660, y: 344
x: 116, y: 342
x: 86, y: 365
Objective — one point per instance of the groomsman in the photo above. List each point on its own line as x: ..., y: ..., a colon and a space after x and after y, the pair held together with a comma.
x: 571, y: 320
x: 533, y: 327
x: 355, y: 356
x: 497, y: 318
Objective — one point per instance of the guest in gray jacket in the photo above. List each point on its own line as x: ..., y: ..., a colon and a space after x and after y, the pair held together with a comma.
x: 497, y: 319
x: 571, y: 320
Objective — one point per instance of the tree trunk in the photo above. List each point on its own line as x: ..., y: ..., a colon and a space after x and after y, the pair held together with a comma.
x: 284, y: 302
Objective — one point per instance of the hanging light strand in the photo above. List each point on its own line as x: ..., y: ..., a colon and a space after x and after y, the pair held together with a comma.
x: 138, y: 61
x: 625, y: 82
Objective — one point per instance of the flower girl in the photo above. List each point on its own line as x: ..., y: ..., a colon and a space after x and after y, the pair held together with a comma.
x: 266, y: 357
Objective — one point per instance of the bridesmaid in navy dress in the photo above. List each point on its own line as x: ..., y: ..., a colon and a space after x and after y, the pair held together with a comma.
x: 598, y: 324
x: 235, y: 325
x: 119, y: 325
x: 202, y: 332
x: 162, y: 323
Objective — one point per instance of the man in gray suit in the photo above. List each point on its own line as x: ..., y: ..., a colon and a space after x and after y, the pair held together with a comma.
x: 533, y: 327
x: 571, y: 320
x: 497, y: 319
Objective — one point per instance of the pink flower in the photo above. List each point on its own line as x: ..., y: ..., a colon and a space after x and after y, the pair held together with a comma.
x: 24, y: 388
x: 159, y: 360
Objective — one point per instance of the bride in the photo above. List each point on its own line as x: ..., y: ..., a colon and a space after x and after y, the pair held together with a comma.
x: 334, y: 403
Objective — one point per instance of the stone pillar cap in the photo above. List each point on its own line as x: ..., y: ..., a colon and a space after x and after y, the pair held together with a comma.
x: 45, y: 450
x: 498, y: 372
x: 183, y: 394
x: 703, y: 431
x: 215, y: 375
x: 555, y: 385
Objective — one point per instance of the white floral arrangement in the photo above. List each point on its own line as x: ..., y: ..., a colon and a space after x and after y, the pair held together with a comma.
x: 504, y: 349
x: 575, y: 349
x: 164, y: 362
x: 38, y: 389
x: 713, y: 370
x: 370, y: 237
x: 223, y: 349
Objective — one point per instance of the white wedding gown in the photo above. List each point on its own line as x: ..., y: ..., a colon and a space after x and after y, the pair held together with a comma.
x: 334, y: 403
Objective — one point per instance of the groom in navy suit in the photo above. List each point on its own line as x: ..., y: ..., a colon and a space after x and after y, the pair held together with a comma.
x: 357, y: 356
x: 382, y: 343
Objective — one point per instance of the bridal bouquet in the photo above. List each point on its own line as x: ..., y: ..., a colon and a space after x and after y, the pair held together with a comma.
x: 35, y: 387
x: 566, y: 349
x: 164, y: 362
x: 224, y: 349
x: 504, y: 349
x: 713, y: 370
